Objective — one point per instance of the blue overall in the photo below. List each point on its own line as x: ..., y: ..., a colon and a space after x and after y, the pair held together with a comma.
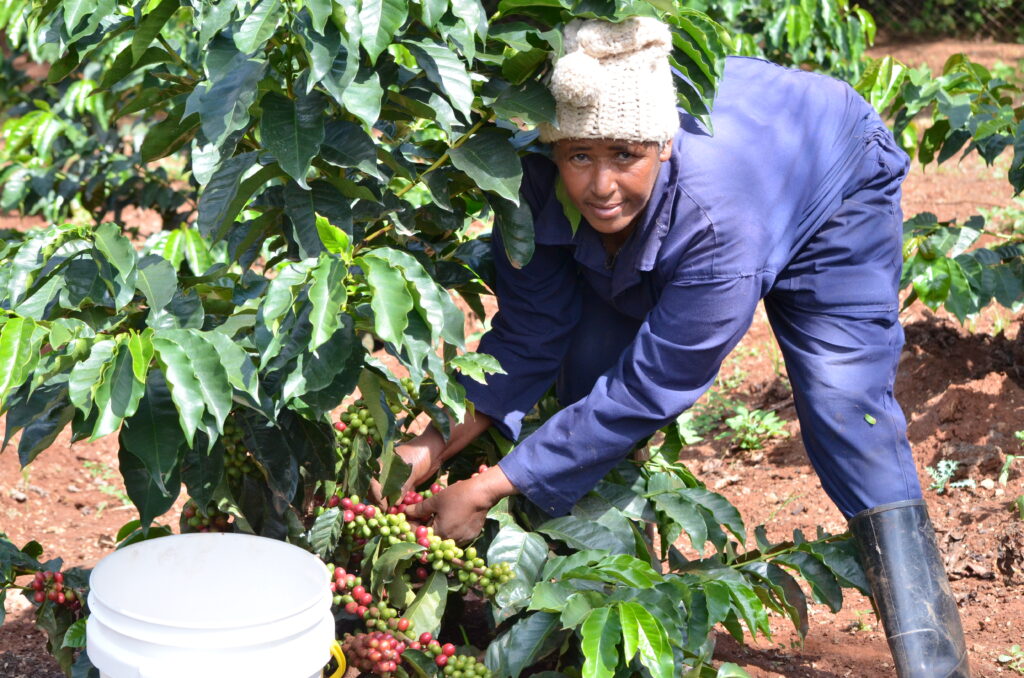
x: 795, y: 199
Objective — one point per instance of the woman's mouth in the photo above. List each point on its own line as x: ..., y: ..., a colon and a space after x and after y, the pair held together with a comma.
x: 607, y: 211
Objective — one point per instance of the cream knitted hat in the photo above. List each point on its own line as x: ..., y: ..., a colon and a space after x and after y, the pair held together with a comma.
x: 614, y: 82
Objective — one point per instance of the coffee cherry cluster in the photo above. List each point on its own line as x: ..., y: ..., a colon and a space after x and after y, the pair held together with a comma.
x: 458, y: 665
x: 413, y: 497
x: 237, y: 460
x: 194, y: 519
x: 357, y: 421
x: 349, y: 591
x: 377, y: 651
x: 50, y: 586
x: 362, y: 521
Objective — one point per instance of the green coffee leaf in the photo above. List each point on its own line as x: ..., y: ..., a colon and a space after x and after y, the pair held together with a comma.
x: 391, y: 301
x: 292, y: 130
x: 75, y: 635
x: 526, y: 552
x: 334, y: 240
x: 224, y: 105
x: 386, y: 563
x: 380, y: 21
x: 216, y: 202
x: 325, y: 532
x: 600, y: 635
x: 85, y: 375
x: 443, y: 68
x: 823, y: 583
x: 347, y: 145
x: 156, y: 280
x: 723, y: 512
x: 523, y: 644
x: 644, y: 634
x: 117, y: 249
x: 362, y: 97
x: 152, y: 434
x: 118, y: 392
x: 20, y: 341
x: 584, y: 534
x: 327, y: 296
x: 426, y: 611
x: 186, y: 391
x: 493, y: 163
x: 150, y: 499
x: 477, y: 366
x: 530, y: 102
x: 151, y: 26
x: 258, y: 26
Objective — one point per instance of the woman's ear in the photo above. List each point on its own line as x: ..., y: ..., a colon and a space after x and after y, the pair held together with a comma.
x: 666, y: 151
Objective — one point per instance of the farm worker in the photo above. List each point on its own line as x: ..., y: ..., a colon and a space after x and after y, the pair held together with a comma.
x: 793, y: 200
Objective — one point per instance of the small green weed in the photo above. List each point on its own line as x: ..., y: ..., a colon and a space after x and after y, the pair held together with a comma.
x: 751, y: 429
x: 862, y: 623
x: 943, y: 472
x: 1014, y: 659
x: 104, y: 473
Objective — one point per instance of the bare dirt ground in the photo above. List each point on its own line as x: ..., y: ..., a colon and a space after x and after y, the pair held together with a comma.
x: 962, y: 391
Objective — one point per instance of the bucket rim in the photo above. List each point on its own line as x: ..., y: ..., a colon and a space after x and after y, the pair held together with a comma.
x: 298, y: 607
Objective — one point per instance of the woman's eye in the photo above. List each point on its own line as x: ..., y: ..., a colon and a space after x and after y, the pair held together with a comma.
x: 625, y: 155
x: 579, y: 157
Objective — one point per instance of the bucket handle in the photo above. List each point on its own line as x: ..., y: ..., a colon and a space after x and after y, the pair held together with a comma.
x: 339, y: 656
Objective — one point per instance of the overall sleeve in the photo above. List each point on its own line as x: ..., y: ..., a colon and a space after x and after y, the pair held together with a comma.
x: 672, y: 361
x: 538, y: 310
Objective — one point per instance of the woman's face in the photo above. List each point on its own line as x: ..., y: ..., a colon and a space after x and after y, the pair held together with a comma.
x: 609, y: 181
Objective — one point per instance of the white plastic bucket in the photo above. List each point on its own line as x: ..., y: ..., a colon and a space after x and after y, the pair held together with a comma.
x: 210, y: 605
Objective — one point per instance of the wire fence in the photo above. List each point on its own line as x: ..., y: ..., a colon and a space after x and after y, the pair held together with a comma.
x: 994, y: 19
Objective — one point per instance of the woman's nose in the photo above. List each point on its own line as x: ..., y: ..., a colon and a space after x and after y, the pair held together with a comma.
x: 603, y: 184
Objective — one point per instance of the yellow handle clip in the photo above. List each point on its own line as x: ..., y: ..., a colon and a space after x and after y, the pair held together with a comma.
x: 339, y: 656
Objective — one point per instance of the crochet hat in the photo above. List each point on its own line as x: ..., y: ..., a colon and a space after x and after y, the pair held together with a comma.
x: 614, y: 82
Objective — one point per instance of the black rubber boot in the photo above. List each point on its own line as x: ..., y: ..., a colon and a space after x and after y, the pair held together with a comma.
x: 911, y: 592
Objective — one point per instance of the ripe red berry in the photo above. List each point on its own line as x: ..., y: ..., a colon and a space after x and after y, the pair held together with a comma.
x: 61, y: 598
x: 392, y: 510
x: 415, y: 645
x: 348, y: 516
x: 333, y: 501
x: 358, y: 592
x: 359, y: 508
x: 346, y: 503
x: 403, y: 624
x: 361, y: 610
x: 367, y: 599
x: 421, y: 573
x: 340, y: 426
x: 436, y: 487
x: 424, y: 542
x: 441, y: 660
x: 39, y: 596
x: 448, y: 649
x: 426, y: 637
x: 58, y: 577
x: 352, y: 608
x: 339, y: 573
x: 370, y: 511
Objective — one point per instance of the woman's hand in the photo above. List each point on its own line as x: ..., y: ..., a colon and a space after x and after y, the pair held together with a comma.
x: 427, y: 451
x: 460, y: 510
x: 423, y: 454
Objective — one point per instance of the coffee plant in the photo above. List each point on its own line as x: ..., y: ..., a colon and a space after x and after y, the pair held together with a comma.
x: 323, y: 170
x: 962, y: 267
